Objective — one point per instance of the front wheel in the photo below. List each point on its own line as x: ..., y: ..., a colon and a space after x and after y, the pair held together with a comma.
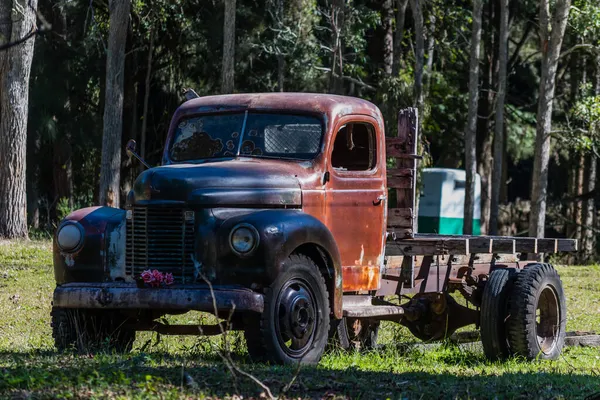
x: 294, y: 324
x: 86, y: 330
x: 538, y: 313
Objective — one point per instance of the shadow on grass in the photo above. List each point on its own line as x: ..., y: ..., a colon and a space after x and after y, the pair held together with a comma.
x: 48, y: 374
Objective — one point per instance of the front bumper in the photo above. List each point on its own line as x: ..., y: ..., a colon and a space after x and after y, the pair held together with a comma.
x: 115, y: 295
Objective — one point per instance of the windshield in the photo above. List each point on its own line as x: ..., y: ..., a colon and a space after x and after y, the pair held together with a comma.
x: 246, y: 134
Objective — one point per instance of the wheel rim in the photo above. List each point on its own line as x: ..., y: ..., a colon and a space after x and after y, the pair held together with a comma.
x: 547, y: 320
x: 296, y: 320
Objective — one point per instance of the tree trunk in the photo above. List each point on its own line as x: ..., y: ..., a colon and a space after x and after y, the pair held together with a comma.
x: 589, y: 242
x: 17, y: 17
x: 598, y: 74
x: 63, y: 170
x: 147, y: 95
x: 228, y: 77
x: 33, y: 194
x: 417, y: 11
x: 551, y: 43
x: 280, y: 57
x: 471, y: 131
x: 399, y: 35
x: 62, y: 155
x: 484, y: 136
x: 387, y: 16
x: 499, y: 124
x: 571, y: 205
x: 110, y: 170
x: 430, y: 50
x: 578, y: 193
x: 337, y: 60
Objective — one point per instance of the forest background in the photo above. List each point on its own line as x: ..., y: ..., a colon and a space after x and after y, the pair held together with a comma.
x: 517, y: 83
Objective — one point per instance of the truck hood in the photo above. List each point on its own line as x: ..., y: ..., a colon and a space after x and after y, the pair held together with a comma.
x: 237, y: 183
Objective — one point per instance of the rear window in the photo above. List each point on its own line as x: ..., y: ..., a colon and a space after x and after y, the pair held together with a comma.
x: 247, y: 134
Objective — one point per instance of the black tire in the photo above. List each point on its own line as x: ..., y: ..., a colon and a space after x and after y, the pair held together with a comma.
x: 494, y: 313
x: 294, y: 325
x: 354, y: 334
x: 538, y: 312
x: 85, y: 330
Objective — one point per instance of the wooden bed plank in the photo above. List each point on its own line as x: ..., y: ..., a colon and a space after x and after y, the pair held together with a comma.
x: 402, y: 217
x: 430, y: 244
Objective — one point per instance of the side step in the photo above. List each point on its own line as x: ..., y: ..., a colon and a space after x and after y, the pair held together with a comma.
x: 372, y: 311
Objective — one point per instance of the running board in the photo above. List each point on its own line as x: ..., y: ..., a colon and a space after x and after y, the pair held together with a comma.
x: 372, y: 311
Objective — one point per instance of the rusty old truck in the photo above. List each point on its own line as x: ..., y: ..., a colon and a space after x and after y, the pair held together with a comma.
x: 291, y: 217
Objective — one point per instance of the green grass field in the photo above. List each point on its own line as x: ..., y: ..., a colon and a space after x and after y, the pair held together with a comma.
x: 189, y: 367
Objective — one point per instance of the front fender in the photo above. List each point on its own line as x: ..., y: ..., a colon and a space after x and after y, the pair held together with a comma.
x: 103, y: 246
x: 282, y: 232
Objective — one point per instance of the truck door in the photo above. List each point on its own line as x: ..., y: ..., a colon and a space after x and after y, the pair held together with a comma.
x: 356, y: 200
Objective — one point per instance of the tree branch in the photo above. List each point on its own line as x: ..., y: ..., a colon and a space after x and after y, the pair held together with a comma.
x: 591, y: 47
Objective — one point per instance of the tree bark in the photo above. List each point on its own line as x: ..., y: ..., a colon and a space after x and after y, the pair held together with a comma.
x: 110, y: 170
x: 417, y: 11
x: 228, y: 72
x: 399, y: 35
x: 17, y: 19
x: 471, y: 131
x: 551, y: 43
x: 387, y: 16
x: 499, y: 124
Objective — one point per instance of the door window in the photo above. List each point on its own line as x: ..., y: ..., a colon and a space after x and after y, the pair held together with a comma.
x: 354, y: 148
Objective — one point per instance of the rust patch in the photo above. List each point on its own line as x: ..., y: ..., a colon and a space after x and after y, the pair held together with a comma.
x: 357, y: 278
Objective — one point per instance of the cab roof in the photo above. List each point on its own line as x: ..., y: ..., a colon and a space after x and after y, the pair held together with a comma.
x: 331, y: 105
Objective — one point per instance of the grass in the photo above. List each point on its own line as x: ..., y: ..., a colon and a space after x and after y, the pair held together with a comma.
x: 190, y: 367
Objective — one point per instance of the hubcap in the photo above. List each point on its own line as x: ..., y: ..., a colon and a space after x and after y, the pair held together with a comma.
x: 547, y: 319
x: 297, y: 318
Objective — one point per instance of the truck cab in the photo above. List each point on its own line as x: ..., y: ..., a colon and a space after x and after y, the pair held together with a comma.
x: 269, y: 211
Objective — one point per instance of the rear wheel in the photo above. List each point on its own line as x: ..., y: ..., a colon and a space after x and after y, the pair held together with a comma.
x: 86, y: 330
x: 354, y: 333
x: 294, y: 324
x: 537, y: 313
x: 494, y: 313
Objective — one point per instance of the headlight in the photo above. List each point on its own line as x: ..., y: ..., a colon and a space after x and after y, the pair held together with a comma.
x: 69, y: 237
x: 244, y: 239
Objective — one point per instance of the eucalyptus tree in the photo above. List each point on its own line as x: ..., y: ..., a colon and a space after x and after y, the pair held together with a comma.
x: 17, y: 17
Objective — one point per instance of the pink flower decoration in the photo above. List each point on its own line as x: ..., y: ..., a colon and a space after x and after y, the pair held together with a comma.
x: 158, y: 278
x: 147, y: 277
x: 155, y: 278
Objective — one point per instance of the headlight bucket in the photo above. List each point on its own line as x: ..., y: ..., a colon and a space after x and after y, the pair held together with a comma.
x: 243, y: 239
x: 70, y: 236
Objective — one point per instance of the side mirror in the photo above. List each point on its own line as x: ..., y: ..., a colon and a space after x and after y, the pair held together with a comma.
x: 131, y: 147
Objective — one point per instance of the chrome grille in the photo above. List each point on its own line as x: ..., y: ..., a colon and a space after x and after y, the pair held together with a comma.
x: 160, y: 238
